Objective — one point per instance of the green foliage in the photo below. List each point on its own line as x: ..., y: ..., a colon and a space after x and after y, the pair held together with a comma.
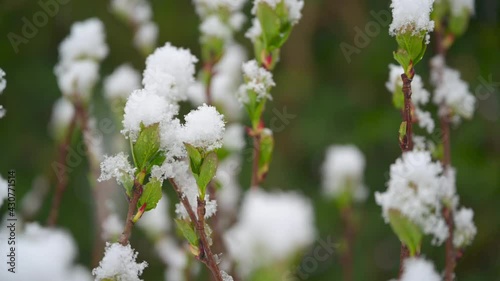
x: 188, y: 231
x: 151, y: 195
x: 146, y: 149
x: 407, y: 232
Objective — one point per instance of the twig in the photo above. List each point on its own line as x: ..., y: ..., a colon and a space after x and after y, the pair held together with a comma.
x: 132, y: 206
x: 406, y: 144
x: 407, y: 141
x: 451, y: 254
x: 206, y: 256
x: 256, y: 158
x: 63, y: 181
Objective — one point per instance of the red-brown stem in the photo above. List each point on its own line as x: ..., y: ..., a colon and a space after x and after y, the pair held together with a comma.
x: 132, y: 206
x: 349, y: 236
x: 256, y: 158
x: 406, y: 144
x: 450, y: 251
x: 206, y: 256
x: 63, y: 181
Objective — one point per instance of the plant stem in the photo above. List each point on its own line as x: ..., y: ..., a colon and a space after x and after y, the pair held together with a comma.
x: 132, y: 206
x: 349, y: 236
x: 451, y: 260
x: 206, y: 256
x: 406, y: 144
x: 63, y: 181
x: 256, y: 158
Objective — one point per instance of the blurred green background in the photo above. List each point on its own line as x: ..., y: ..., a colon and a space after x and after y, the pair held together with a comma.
x: 334, y: 101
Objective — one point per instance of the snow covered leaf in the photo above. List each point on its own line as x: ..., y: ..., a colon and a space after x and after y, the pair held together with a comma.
x: 194, y: 158
x: 147, y: 146
x: 207, y: 172
x: 151, y: 195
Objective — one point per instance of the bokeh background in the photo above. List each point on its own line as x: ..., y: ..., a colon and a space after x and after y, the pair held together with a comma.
x: 334, y: 102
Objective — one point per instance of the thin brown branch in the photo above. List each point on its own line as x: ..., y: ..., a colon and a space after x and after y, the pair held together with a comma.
x: 63, y: 180
x: 450, y: 251
x: 132, y: 206
x: 256, y: 158
x: 406, y: 144
x: 206, y: 256
x: 407, y: 141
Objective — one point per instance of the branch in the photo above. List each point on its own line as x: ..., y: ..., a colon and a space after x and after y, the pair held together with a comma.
x: 256, y: 158
x: 63, y: 182
x: 132, y: 206
x: 451, y: 254
x: 206, y: 256
x: 407, y: 142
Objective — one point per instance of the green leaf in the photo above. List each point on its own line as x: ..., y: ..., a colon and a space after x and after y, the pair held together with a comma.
x: 398, y: 98
x: 146, y: 147
x: 194, y: 158
x: 413, y: 46
x: 402, y: 57
x: 128, y: 184
x: 270, y: 23
x: 407, y: 232
x: 402, y: 131
x: 207, y: 171
x: 187, y: 231
x: 266, y: 152
x: 458, y: 24
x: 151, y: 195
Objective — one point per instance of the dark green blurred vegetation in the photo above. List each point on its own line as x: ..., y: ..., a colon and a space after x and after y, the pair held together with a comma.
x: 334, y: 102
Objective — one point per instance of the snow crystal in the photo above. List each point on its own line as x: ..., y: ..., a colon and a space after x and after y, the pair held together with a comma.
x: 271, y: 227
x: 169, y: 72
x: 414, y: 190
x: 454, y: 93
x: 86, y: 41
x: 212, y: 26
x: 147, y: 109
x: 257, y: 79
x: 204, y: 128
x: 136, y: 11
x: 146, y: 36
x: 77, y: 78
x: 255, y: 30
x: 119, y: 262
x: 411, y: 16
x: 117, y: 167
x: 234, y: 137
x: 49, y: 255
x: 62, y: 113
x: 465, y: 230
x: 122, y: 82
x: 343, y: 172
x: 418, y: 269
